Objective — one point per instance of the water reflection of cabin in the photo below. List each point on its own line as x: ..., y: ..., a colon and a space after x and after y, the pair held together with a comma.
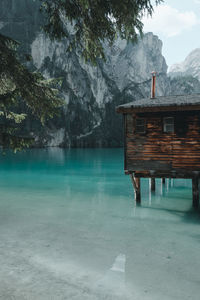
x: 162, y: 139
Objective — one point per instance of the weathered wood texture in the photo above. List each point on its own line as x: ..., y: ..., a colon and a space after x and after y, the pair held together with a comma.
x: 136, y: 186
x: 153, y: 184
x: 195, y: 192
x: 164, y: 153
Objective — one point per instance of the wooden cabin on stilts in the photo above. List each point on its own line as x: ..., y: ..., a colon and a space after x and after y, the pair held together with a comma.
x: 162, y: 139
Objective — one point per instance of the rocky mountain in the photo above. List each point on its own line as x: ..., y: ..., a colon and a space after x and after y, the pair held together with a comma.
x: 189, y: 67
x: 182, y: 85
x: 88, y: 118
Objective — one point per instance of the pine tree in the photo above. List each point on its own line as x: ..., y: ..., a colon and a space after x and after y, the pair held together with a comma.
x: 93, y: 22
x: 18, y: 84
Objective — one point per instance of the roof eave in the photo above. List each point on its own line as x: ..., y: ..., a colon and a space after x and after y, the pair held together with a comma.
x: 133, y: 109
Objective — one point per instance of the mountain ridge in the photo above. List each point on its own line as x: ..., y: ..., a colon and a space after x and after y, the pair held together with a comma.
x: 190, y: 66
x: 91, y: 94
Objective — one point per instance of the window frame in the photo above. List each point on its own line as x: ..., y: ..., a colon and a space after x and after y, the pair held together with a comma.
x: 165, y: 124
x: 143, y: 125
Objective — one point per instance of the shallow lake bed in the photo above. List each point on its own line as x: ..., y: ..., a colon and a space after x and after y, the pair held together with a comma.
x: 69, y: 229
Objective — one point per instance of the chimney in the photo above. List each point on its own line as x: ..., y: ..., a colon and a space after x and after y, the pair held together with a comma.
x: 153, y: 85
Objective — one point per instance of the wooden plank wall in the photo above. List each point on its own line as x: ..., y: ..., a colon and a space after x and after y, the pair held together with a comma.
x: 156, y: 150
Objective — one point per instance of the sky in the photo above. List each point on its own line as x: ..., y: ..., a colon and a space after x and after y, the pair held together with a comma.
x: 177, y: 24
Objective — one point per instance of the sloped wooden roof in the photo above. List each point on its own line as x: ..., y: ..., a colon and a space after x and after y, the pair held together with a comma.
x: 164, y: 103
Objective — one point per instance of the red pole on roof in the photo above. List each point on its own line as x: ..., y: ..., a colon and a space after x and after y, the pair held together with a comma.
x: 153, y: 84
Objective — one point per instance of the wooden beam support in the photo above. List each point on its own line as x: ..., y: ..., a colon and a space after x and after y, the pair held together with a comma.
x: 163, y: 180
x: 195, y: 192
x: 136, y: 186
x: 153, y: 184
x: 160, y: 174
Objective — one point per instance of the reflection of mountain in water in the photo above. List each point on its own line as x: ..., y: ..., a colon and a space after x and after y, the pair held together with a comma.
x: 70, y: 229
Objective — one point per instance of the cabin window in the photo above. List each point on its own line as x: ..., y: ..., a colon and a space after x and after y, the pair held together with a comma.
x: 168, y: 124
x: 140, y: 125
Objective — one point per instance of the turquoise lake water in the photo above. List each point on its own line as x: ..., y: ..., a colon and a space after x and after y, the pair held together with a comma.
x: 69, y: 229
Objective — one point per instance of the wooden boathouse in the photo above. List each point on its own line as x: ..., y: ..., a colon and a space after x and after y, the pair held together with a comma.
x: 162, y: 140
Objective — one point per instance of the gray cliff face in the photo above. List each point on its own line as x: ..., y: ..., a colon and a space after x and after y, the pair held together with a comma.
x: 185, y: 76
x: 182, y: 85
x: 91, y: 94
x: 189, y: 67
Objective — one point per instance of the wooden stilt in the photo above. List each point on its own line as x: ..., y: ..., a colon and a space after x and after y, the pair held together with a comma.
x: 153, y: 184
x: 163, y: 180
x: 136, y: 185
x: 195, y: 192
x: 172, y: 182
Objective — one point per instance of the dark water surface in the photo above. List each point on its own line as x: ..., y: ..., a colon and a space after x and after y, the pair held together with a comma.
x: 69, y: 229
